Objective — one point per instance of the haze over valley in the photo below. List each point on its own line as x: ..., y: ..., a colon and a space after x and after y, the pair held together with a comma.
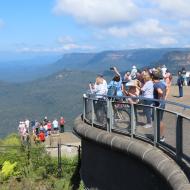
x: 53, y: 86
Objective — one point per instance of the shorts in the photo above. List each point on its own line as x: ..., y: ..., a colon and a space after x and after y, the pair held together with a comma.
x: 160, y: 112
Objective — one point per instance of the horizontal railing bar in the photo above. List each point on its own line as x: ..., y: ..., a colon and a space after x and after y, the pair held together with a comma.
x: 141, y: 98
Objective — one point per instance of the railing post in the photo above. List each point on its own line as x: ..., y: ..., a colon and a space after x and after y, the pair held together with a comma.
x: 59, y: 159
x: 179, y: 137
x: 132, y: 120
x: 84, y: 108
x: 92, y: 107
x: 157, y: 119
x: 109, y: 115
x: 155, y: 126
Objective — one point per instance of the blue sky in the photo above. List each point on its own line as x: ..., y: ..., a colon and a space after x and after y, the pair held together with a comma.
x: 61, y: 26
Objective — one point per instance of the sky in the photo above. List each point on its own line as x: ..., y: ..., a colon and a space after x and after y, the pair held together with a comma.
x: 61, y: 26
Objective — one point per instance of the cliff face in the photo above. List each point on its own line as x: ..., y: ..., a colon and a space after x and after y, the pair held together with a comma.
x: 175, y: 60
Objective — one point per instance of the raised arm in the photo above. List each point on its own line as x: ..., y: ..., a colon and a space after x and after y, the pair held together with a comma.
x: 116, y: 71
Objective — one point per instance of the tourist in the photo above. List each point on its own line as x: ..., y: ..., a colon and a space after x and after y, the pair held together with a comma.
x: 168, y: 81
x: 99, y: 88
x: 115, y: 85
x: 160, y: 91
x: 105, y: 85
x: 180, y: 84
x: 133, y: 72
x: 27, y: 124
x: 37, y: 127
x: 163, y: 70
x: 133, y: 91
x: 147, y: 92
x: 49, y: 126
x: 45, y: 121
x: 184, y: 77
x: 100, y: 91
x: 41, y: 136
x: 55, y: 125
x: 61, y: 124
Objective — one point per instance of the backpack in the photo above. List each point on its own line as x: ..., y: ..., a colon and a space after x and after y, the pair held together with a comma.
x: 112, y: 90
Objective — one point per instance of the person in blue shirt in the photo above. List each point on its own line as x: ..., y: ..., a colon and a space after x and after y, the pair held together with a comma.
x: 180, y: 84
x: 159, y: 93
x: 116, y: 81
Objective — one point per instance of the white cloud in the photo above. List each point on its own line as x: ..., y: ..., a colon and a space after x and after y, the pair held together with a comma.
x: 184, y: 24
x: 150, y: 27
x: 153, y: 22
x: 98, y: 12
x: 147, y: 28
x: 178, y: 8
x: 63, y: 48
x: 72, y: 46
x: 117, y: 31
x: 167, y: 41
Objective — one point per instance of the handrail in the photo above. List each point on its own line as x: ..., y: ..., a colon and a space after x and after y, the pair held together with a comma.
x: 140, y: 98
x: 107, y: 118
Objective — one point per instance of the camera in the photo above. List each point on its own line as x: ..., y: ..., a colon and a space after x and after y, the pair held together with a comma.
x: 111, y: 68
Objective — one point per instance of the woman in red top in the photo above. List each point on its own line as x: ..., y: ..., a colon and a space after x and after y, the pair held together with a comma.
x: 49, y: 126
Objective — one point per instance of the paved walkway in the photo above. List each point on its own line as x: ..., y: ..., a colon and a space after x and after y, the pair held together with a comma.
x: 69, y: 144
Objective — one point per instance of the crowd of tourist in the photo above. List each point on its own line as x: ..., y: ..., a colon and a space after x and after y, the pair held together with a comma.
x: 149, y: 83
x: 40, y: 129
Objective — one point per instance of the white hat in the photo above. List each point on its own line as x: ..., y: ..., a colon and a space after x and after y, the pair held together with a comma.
x: 132, y: 83
x: 134, y: 67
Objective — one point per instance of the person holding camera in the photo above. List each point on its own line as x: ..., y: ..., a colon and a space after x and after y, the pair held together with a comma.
x: 99, y: 87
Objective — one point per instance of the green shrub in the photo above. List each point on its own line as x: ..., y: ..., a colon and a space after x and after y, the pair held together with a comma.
x: 8, y: 170
x: 12, y: 139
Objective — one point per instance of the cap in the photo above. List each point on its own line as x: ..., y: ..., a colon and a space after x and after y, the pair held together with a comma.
x: 134, y: 67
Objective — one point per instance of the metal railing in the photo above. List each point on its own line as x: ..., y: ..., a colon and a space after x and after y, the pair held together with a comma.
x: 118, y: 115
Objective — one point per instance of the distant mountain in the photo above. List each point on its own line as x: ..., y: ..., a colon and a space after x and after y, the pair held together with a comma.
x: 123, y: 59
x: 42, y: 66
x: 175, y: 60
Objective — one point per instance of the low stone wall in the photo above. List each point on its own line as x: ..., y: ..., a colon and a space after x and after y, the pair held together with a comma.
x: 111, y: 161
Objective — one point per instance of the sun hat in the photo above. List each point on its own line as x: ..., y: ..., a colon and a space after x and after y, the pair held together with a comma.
x: 132, y: 83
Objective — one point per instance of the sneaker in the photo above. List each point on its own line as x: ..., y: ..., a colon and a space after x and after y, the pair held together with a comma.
x: 148, y: 125
x: 162, y: 139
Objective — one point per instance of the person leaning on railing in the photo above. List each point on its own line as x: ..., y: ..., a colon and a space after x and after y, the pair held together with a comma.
x: 99, y: 87
x: 147, y: 92
x: 132, y: 89
x: 160, y: 91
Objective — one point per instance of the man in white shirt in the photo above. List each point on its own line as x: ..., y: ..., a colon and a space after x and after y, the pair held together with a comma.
x: 55, y: 125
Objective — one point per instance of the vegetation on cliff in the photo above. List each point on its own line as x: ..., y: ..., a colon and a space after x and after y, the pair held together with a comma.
x: 30, y: 167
